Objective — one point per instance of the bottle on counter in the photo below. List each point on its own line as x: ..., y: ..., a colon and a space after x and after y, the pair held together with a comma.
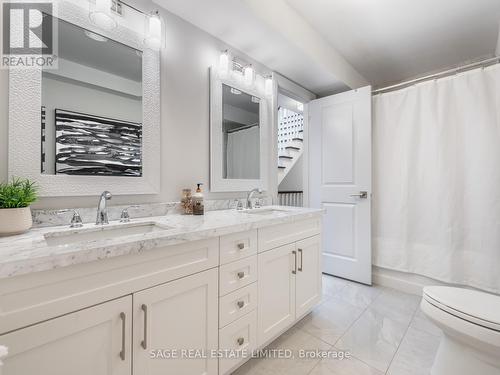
x: 187, y: 202
x: 198, y: 204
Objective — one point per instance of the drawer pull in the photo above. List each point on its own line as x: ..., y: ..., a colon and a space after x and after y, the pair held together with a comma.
x: 241, y: 275
x: 144, y: 342
x: 301, y: 260
x: 240, y: 341
x: 294, y: 271
x: 241, y: 246
x: 240, y: 304
x: 122, y: 352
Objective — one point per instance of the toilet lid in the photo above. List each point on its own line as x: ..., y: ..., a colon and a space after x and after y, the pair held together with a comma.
x: 476, y: 307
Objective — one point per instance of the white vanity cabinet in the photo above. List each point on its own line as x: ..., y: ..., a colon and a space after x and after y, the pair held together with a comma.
x: 289, y: 276
x: 196, y: 308
x: 96, y: 341
x: 276, y: 292
x: 308, y: 277
x: 177, y: 319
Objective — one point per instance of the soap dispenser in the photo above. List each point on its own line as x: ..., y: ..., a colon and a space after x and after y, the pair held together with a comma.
x: 198, y: 205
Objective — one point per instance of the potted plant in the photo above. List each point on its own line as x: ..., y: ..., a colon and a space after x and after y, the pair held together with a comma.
x: 15, y: 200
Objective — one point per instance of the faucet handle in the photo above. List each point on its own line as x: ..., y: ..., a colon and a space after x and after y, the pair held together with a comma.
x: 76, y: 220
x: 239, y: 205
x: 125, y: 216
x: 257, y: 203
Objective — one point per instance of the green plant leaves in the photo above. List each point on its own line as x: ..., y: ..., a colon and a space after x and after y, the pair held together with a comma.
x: 18, y: 193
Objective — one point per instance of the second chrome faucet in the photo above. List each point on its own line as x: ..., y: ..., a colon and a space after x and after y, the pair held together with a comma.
x: 102, y: 209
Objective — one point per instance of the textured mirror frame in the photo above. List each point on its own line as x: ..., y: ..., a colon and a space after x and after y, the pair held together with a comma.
x: 25, y: 89
x: 217, y: 181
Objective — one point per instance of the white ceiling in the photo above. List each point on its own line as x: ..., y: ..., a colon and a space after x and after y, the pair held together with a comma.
x: 351, y: 41
x: 235, y: 23
x: 392, y: 40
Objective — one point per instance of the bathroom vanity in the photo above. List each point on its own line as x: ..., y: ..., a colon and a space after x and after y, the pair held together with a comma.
x: 166, y: 295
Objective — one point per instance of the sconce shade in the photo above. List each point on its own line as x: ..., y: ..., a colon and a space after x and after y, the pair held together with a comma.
x: 153, y: 38
x: 224, y: 64
x: 248, y: 74
x: 101, y: 15
x: 268, y: 86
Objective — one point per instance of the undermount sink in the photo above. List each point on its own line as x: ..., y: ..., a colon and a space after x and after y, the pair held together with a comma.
x: 264, y: 211
x: 101, y: 233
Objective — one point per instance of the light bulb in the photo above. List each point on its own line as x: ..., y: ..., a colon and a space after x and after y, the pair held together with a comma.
x: 269, y: 86
x: 101, y: 15
x: 153, y: 37
x: 224, y: 64
x: 248, y: 75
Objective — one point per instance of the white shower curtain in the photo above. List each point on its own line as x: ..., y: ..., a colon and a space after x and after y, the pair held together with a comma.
x: 243, y: 152
x: 436, y: 193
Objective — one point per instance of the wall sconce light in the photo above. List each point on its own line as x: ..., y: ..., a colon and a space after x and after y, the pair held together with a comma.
x: 248, y: 75
x: 153, y: 33
x: 101, y: 14
x: 224, y: 64
x: 268, y: 88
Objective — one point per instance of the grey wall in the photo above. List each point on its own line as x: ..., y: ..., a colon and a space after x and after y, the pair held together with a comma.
x: 184, y: 115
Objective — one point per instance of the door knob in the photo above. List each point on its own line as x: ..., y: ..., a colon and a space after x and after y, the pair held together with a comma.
x: 361, y: 194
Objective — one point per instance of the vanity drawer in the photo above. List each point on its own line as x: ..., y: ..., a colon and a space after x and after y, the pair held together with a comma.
x: 283, y: 234
x: 240, y: 335
x: 236, y: 304
x: 236, y: 275
x: 238, y: 246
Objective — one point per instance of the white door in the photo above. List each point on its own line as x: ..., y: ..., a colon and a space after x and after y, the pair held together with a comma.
x: 277, y: 269
x: 340, y: 180
x: 93, y: 341
x: 308, y: 280
x: 172, y: 319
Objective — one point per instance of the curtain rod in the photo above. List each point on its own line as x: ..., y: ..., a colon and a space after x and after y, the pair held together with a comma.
x: 445, y: 73
x: 243, y: 128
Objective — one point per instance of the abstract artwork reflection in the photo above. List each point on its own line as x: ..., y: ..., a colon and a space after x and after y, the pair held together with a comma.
x: 94, y: 145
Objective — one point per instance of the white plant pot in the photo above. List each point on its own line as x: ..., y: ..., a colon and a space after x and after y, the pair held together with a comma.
x: 15, y: 220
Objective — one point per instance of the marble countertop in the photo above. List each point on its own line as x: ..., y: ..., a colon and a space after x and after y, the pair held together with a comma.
x: 30, y: 252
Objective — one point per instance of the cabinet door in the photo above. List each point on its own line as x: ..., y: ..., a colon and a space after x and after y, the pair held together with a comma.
x: 172, y: 319
x: 95, y: 341
x: 308, y: 280
x: 276, y: 292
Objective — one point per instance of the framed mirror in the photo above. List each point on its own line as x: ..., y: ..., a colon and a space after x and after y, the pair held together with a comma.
x: 93, y: 123
x: 238, y: 136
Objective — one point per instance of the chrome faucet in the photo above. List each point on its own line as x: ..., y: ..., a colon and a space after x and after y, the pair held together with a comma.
x: 250, y: 195
x: 102, y: 210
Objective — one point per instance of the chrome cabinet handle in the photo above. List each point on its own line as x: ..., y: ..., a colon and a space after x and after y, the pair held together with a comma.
x: 144, y: 342
x: 241, y: 246
x: 240, y: 304
x: 240, y: 341
x: 294, y: 271
x: 123, y: 317
x: 361, y: 194
x: 301, y: 260
x: 241, y: 275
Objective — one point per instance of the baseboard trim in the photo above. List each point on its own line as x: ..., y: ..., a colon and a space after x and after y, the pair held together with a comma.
x: 402, y: 281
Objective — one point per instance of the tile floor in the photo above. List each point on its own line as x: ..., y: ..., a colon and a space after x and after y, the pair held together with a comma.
x: 382, y: 329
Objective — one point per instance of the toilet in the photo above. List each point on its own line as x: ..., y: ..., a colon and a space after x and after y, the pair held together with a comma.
x: 470, y: 321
